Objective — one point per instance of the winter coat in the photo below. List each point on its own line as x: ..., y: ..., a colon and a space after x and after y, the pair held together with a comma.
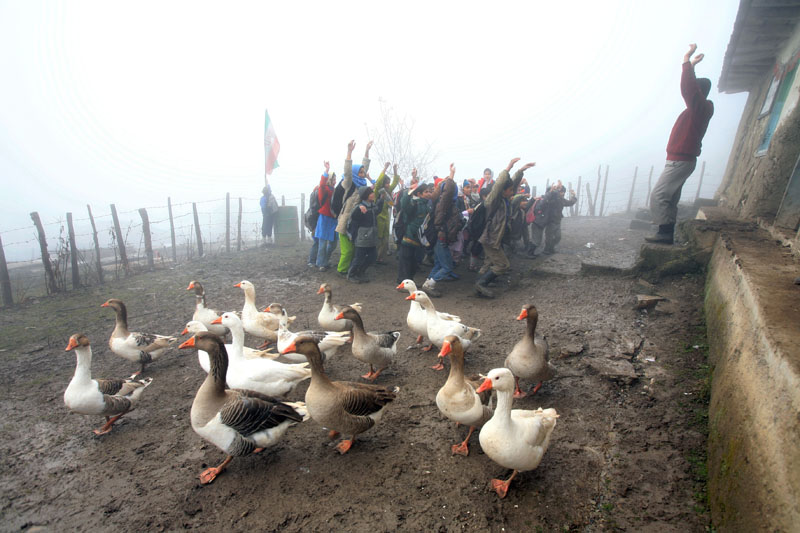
x: 498, y: 210
x: 350, y: 189
x: 364, y: 226
x: 414, y: 210
x: 447, y: 218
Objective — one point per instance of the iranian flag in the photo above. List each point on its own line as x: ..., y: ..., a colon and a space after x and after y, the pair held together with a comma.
x: 271, y: 144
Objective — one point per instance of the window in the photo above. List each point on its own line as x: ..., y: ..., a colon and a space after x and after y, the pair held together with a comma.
x: 777, y: 108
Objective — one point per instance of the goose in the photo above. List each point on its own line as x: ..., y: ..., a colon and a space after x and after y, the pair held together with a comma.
x: 261, y: 325
x: 201, y: 312
x: 513, y: 438
x: 137, y: 347
x: 194, y: 326
x: 457, y: 399
x: 373, y: 348
x: 238, y: 422
x: 529, y: 358
x: 439, y: 328
x: 340, y: 406
x: 329, y: 341
x: 111, y: 398
x: 327, y: 315
x: 259, y: 374
x: 417, y: 319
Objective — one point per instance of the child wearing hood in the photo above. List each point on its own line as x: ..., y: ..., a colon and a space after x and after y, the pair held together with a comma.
x: 354, y: 176
x: 363, y: 232
x: 383, y: 189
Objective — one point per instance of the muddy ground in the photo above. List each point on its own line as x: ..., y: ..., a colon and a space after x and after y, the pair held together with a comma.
x: 628, y: 452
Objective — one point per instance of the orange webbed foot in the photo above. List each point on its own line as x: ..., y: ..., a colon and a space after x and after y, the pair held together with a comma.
x: 438, y: 366
x: 332, y: 434
x: 419, y: 339
x: 368, y: 375
x: 519, y: 394
x: 500, y: 487
x: 428, y: 348
x: 264, y: 345
x: 460, y: 449
x: 536, y: 388
x: 344, y: 446
x: 209, y: 475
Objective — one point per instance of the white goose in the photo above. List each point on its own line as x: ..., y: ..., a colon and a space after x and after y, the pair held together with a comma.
x: 327, y: 315
x: 111, y: 398
x: 202, y: 313
x: 513, y: 438
x: 417, y: 318
x: 238, y: 422
x: 138, y: 347
x: 194, y: 326
x: 438, y: 328
x: 261, y: 325
x: 329, y: 341
x: 262, y: 375
x: 457, y: 399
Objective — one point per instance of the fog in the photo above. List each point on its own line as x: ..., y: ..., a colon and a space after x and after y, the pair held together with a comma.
x: 131, y: 103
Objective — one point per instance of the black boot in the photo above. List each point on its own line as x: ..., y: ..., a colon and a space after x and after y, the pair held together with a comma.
x: 664, y: 235
x: 482, y: 285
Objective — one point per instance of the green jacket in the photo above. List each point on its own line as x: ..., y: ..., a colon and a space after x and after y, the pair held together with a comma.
x: 498, y: 210
x: 384, y: 214
x: 414, y: 211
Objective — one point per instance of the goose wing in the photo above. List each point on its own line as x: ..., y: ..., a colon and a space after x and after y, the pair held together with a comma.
x: 249, y: 412
x: 386, y: 339
x: 360, y: 399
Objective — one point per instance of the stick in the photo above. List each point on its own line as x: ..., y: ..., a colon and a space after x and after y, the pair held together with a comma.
x: 73, y: 254
x: 172, y: 231
x: 633, y: 186
x: 50, y: 279
x: 96, y: 245
x: 197, y: 231
x: 148, y: 243
x: 603, y: 199
x: 120, y: 241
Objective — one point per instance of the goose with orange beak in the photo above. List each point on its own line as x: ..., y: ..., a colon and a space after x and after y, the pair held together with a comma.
x: 111, y: 398
x: 417, y: 318
x: 458, y: 399
x: 141, y: 348
x: 203, y: 313
x: 262, y: 325
x: 377, y: 349
x: 529, y: 359
x: 513, y: 438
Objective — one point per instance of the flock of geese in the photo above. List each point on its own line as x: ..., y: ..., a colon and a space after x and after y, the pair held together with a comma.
x: 238, y: 407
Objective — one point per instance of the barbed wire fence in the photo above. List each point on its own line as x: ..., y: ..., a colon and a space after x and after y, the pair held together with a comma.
x: 85, y: 250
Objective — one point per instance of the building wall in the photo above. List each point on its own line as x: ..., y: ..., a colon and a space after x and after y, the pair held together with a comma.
x: 754, y: 183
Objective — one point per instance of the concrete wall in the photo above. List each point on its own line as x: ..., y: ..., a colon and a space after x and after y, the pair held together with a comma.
x: 754, y: 413
x: 754, y: 183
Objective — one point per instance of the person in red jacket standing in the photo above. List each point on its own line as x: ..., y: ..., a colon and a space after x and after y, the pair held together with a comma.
x: 682, y: 149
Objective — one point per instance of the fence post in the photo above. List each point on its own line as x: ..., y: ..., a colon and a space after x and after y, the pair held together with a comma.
x: 283, y: 201
x: 148, y: 243
x: 649, y: 183
x: 633, y: 186
x: 302, y: 213
x: 572, y: 207
x: 5, y: 279
x: 120, y: 241
x: 172, y: 231
x: 197, y: 231
x: 50, y: 278
x: 603, y: 199
x: 73, y: 254
x: 597, y: 187
x: 96, y: 245
x: 580, y: 198
x: 239, y: 228
x: 700, y: 184
x: 589, y: 199
x: 228, y: 222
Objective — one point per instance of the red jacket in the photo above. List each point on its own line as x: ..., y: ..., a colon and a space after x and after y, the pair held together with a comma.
x: 325, y: 194
x: 690, y: 127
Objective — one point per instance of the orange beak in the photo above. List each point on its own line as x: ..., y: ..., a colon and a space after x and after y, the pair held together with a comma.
x: 339, y: 316
x: 446, y: 349
x: 320, y: 291
x: 411, y: 297
x: 190, y: 287
x: 399, y: 286
x: 105, y: 305
x: 188, y: 344
x: 290, y: 349
x: 217, y: 320
x: 72, y: 344
x: 185, y: 331
x: 486, y: 385
x: 238, y: 285
x: 523, y: 315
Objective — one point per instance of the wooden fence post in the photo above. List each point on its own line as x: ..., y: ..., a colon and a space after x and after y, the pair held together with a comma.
x: 148, y: 242
x: 580, y: 198
x: 5, y: 279
x: 649, y: 183
x: 96, y: 245
x: 172, y: 231
x: 283, y: 201
x: 589, y: 199
x: 239, y: 228
x: 73, y: 254
x: 50, y: 278
x: 302, y: 213
x: 603, y: 199
x: 197, y: 231
x: 633, y: 186
x: 700, y: 183
x: 120, y: 241
x: 228, y: 222
x: 597, y: 187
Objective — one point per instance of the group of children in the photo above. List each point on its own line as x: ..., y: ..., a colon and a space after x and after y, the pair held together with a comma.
x: 436, y: 223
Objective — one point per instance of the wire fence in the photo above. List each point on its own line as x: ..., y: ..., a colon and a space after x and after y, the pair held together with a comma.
x: 114, y: 244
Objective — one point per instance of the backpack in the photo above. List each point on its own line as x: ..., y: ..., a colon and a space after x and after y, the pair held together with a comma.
x: 340, y: 196
x: 477, y: 222
x: 427, y: 231
x: 312, y: 213
x: 539, y: 212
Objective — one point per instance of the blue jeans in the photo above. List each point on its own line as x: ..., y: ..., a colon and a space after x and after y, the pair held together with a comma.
x: 313, y: 253
x: 324, y: 253
x: 442, y: 263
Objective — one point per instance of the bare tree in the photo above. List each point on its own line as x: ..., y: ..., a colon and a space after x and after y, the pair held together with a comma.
x: 394, y: 142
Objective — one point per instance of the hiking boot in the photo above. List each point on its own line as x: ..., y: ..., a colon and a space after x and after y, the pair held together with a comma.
x: 354, y: 279
x: 482, y: 285
x: 664, y: 235
x: 429, y: 288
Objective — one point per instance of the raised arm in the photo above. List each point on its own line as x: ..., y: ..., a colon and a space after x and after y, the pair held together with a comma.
x: 365, y: 161
x: 689, y: 88
x: 519, y: 174
x: 347, y: 179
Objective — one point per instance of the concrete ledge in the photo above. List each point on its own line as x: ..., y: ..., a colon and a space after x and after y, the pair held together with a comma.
x: 753, y: 317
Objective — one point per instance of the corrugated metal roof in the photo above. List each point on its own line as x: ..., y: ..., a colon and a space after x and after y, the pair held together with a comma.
x: 760, y: 31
